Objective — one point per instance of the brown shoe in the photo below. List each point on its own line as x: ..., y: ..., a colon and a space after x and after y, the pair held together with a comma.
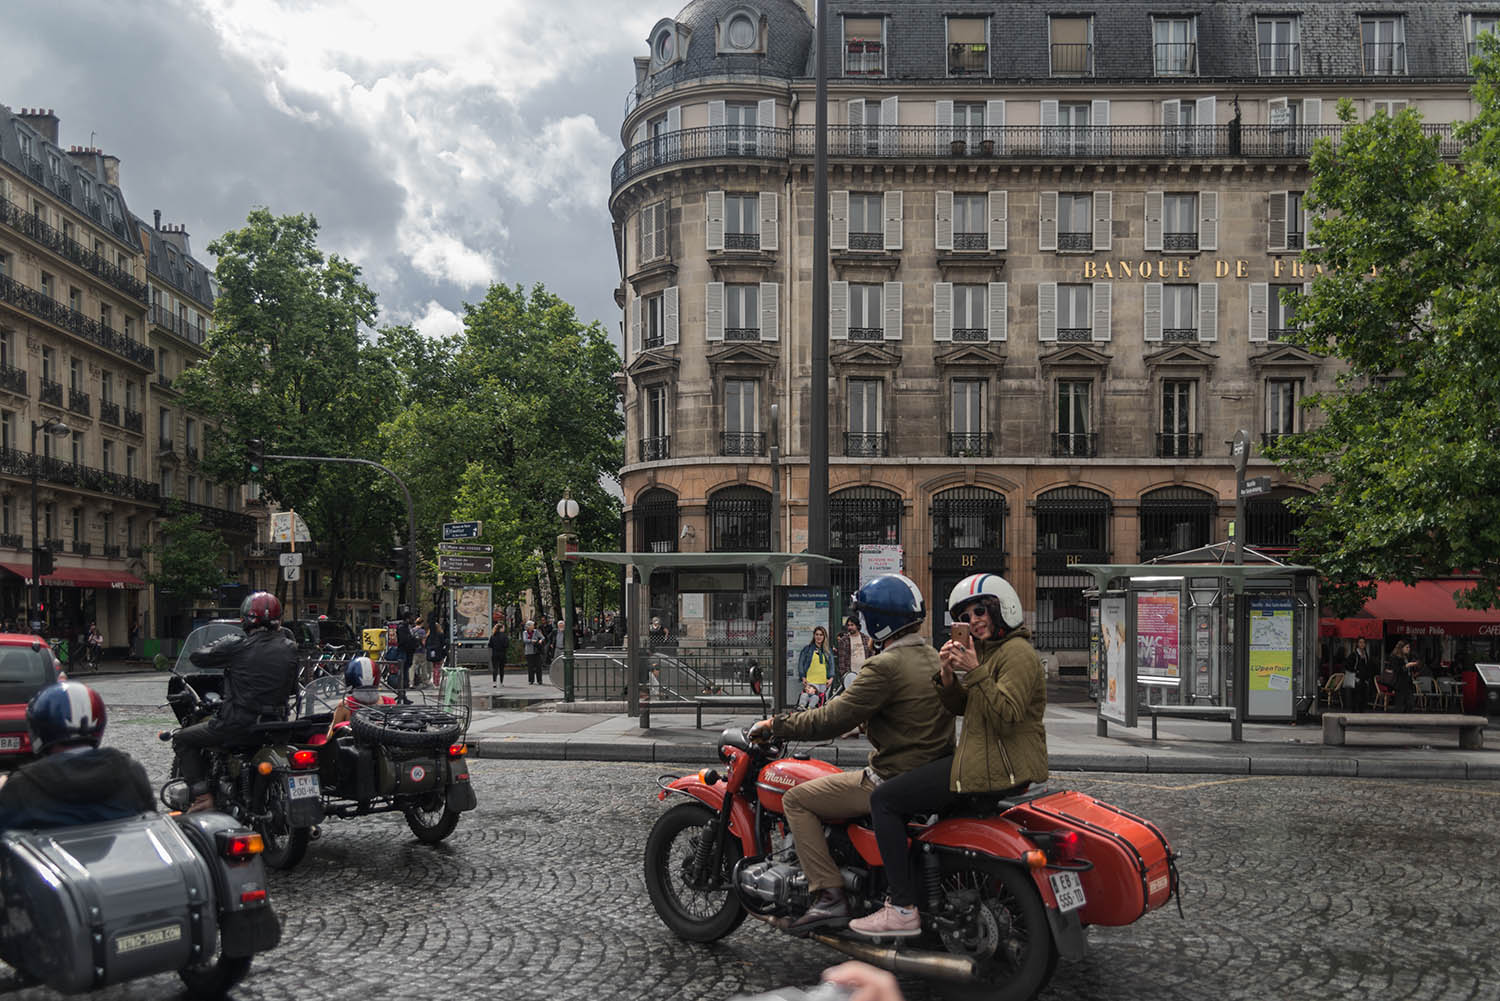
x: 828, y: 909
x: 201, y: 803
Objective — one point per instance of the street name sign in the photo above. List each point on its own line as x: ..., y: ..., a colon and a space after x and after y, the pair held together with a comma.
x: 451, y: 580
x: 465, y: 564
x: 464, y: 547
x: 1255, y: 486
x: 291, y: 560
x: 462, y: 530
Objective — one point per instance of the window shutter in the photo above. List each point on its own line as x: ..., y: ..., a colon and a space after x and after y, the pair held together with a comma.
x: 1208, y: 112
x: 1046, y: 227
x: 855, y: 108
x: 635, y: 326
x: 713, y: 311
x: 1103, y: 219
x: 1099, y: 120
x: 893, y: 311
x: 1153, y: 311
x: 713, y: 226
x: 1208, y: 220
x: 765, y: 114
x: 1103, y: 293
x: 999, y: 206
x: 1153, y: 220
x: 892, y: 204
x: 1276, y: 222
x: 1046, y: 311
x: 944, y: 119
x: 770, y: 311
x: 1312, y: 111
x: 770, y: 221
x: 716, y: 137
x: 994, y: 123
x: 838, y: 223
x: 1049, y: 114
x: 640, y: 153
x: 943, y: 208
x: 1208, y: 311
x: 838, y: 311
x: 646, y: 233
x: 640, y: 134
x: 669, y: 315
x: 1171, y: 113
x: 888, y: 123
x: 999, y: 310
x: 942, y: 311
x: 1260, y: 320
x: 674, y: 119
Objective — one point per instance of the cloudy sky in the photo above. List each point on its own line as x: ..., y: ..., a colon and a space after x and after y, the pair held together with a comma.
x: 442, y: 144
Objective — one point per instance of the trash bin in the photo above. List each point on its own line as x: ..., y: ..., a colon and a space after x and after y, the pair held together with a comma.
x: 1488, y: 690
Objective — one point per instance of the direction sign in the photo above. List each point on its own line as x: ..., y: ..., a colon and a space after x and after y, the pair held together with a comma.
x: 291, y: 573
x: 287, y: 527
x: 291, y: 560
x: 464, y: 547
x: 451, y: 580
x: 462, y: 530
x: 1255, y: 486
x: 465, y: 564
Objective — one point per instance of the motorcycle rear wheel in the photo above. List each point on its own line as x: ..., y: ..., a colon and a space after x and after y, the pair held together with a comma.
x: 212, y: 980
x: 1010, y: 941
x: 431, y: 820
x: 285, y: 845
x: 692, y: 914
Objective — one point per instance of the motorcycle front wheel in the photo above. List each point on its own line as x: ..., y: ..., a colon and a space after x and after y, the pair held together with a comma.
x: 1004, y: 929
x: 285, y: 844
x: 693, y: 913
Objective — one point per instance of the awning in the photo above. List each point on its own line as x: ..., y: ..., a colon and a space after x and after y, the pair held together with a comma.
x: 79, y: 577
x: 1422, y: 609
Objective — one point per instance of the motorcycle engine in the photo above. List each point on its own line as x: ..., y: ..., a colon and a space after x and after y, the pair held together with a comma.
x: 779, y: 887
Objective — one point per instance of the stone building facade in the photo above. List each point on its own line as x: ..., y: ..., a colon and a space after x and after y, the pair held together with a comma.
x: 1065, y: 245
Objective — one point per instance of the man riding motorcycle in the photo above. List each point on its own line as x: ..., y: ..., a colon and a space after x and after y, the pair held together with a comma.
x: 895, y: 696
x: 75, y: 781
x: 260, y: 674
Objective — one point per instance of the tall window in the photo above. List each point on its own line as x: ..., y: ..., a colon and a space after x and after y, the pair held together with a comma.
x: 742, y: 417
x: 46, y: 286
x: 130, y: 396
x: 1281, y: 308
x: 742, y: 222
x: 107, y: 387
x: 107, y: 528
x: 967, y: 435
x: 1072, y: 46
x: 131, y: 465
x: 1179, y: 222
x: 77, y: 524
x: 75, y: 299
x: 190, y: 434
x: 77, y: 448
x: 4, y: 264
x: 1296, y: 234
x: 651, y: 315
x: 1480, y: 24
x: 107, y: 456
x: 1178, y: 409
x: 1075, y: 221
x: 740, y: 133
x: 75, y: 374
x: 1384, y: 40
x: 968, y: 47
x: 866, y: 319
x: 7, y: 348
x: 742, y: 312
x: 49, y: 365
x: 970, y: 313
x: 1279, y: 43
x: 657, y: 428
x: 866, y: 222
x: 864, y: 406
x: 970, y: 222
x: 192, y: 489
x: 864, y: 46
x: 968, y: 123
x: 106, y: 316
x: 1073, y: 134
x: 1073, y: 436
x: 1176, y: 46
x: 1283, y: 416
x: 1179, y: 312
x: 1075, y: 312
x: 8, y: 515
x: 164, y: 426
x: 166, y: 482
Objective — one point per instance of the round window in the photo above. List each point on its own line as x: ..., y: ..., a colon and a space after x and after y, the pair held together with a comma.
x: 741, y: 32
x: 664, y: 47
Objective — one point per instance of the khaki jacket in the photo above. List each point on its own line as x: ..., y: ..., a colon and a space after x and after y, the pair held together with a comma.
x: 1002, y: 702
x: 893, y: 694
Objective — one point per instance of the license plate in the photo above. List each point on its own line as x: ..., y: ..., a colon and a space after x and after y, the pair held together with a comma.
x: 303, y: 786
x: 1068, y: 889
x: 10, y: 743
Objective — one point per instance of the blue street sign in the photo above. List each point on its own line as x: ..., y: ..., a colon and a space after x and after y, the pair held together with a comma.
x: 461, y: 530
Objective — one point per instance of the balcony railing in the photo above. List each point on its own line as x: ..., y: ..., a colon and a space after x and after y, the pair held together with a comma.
x: 1075, y: 335
x: 867, y: 333
x: 1279, y: 333
x: 866, y: 445
x: 53, y: 470
x: 1271, y: 437
x: 1179, y: 446
x: 79, y: 402
x: 191, y: 451
x: 70, y: 249
x: 1176, y: 58
x: 1080, y: 445
x: 109, y: 412
x: 178, y: 325
x: 1280, y: 58
x: 863, y: 58
x: 1072, y: 59
x: 657, y: 448
x: 742, y: 443
x: 742, y: 333
x: 231, y: 521
x: 1294, y: 241
x: 54, y: 545
x: 969, y: 445
x: 1179, y: 335
x: 134, y: 552
x: 1385, y: 58
x: 82, y: 548
x: 971, y: 241
x: 1010, y: 142
x: 163, y: 381
x: 112, y: 550
x: 741, y: 241
x: 13, y: 379
x: 134, y: 420
x: 50, y: 392
x: 968, y: 59
x: 11, y: 540
x: 1075, y: 241
x: 44, y: 307
x: 970, y: 335
x: 866, y: 241
x: 164, y: 444
x: 1179, y: 241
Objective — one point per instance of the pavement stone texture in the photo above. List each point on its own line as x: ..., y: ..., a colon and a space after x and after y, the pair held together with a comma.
x: 1296, y: 887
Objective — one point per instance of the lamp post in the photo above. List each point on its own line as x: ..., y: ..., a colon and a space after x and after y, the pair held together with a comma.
x: 54, y: 427
x: 567, y: 549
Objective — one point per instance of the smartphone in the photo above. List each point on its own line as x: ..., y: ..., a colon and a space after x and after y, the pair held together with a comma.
x: 959, y: 633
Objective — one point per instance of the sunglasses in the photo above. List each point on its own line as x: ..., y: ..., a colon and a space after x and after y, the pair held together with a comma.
x: 972, y: 614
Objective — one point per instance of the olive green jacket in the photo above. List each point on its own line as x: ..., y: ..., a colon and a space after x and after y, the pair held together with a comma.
x: 1002, y: 702
x: 893, y: 695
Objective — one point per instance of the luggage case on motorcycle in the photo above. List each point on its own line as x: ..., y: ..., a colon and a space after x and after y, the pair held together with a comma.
x: 99, y: 904
x: 1133, y: 870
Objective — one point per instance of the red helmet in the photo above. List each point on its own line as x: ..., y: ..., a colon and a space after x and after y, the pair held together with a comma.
x: 260, y: 610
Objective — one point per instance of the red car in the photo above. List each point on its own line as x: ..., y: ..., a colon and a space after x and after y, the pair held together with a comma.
x: 26, y: 667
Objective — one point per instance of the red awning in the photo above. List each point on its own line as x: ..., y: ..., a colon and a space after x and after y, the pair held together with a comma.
x: 79, y: 577
x: 1423, y: 609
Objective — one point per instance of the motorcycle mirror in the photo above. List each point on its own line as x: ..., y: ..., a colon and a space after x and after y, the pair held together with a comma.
x: 176, y: 795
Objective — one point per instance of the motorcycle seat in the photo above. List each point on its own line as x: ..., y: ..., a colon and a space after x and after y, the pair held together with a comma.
x: 989, y: 804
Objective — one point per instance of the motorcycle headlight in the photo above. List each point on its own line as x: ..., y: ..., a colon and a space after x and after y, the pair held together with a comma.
x: 176, y: 795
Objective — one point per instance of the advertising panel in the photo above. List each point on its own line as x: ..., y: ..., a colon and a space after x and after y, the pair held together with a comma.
x: 806, y: 609
x: 1270, y: 687
x: 1157, y: 629
x: 1114, y: 697
x: 471, y: 613
x: 877, y: 560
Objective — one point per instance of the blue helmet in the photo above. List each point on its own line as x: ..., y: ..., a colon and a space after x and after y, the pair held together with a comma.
x: 361, y: 673
x: 889, y: 605
x: 65, y: 713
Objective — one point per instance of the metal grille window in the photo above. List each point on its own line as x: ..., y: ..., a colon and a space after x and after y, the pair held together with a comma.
x: 1075, y: 221
x: 1072, y: 527
x: 970, y: 222
x: 742, y: 312
x: 970, y: 518
x: 739, y: 520
x: 1072, y: 520
x: 742, y: 222
x: 1179, y: 312
x: 860, y: 516
x: 1384, y: 40
x: 1278, y: 40
x: 1281, y: 308
x: 1176, y: 46
x: 866, y: 219
x: 866, y: 316
x: 1176, y: 519
x: 655, y: 517
x: 1269, y: 523
x: 970, y: 315
x: 1075, y: 315
x: 1179, y: 222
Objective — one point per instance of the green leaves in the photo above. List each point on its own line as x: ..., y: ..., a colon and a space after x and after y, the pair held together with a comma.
x: 188, y: 557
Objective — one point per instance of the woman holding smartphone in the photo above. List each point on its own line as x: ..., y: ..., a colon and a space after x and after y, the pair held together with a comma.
x: 991, y: 675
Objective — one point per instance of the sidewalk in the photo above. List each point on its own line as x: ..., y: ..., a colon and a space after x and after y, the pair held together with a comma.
x: 533, y: 723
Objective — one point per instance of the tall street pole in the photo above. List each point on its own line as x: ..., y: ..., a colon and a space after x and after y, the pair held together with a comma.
x: 51, y: 426
x: 817, y: 470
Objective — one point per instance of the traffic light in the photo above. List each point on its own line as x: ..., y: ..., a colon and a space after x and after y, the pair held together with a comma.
x: 398, y: 554
x: 44, y: 561
x: 255, y: 456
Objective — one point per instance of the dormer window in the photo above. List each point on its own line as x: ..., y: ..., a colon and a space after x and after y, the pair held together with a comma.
x: 666, y: 47
x: 668, y: 44
x: 740, y: 32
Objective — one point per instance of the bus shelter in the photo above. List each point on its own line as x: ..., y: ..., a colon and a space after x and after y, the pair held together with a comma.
x: 1200, y: 628
x: 681, y: 672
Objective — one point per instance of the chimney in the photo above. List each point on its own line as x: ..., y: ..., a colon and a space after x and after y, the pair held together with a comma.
x: 44, y: 122
x: 111, y: 168
x: 157, y: 214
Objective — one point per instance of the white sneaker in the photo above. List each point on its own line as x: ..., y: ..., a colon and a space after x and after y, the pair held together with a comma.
x: 889, y: 922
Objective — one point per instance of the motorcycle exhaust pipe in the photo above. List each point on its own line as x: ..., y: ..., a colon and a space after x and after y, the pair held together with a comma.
x: 915, y: 962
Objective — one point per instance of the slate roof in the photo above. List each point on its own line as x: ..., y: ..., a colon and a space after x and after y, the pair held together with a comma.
x: 790, y: 33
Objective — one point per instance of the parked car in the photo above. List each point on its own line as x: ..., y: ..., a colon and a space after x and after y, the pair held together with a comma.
x: 319, y: 634
x: 26, y: 667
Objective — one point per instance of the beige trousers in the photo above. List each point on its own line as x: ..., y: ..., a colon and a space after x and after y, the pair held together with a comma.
x: 807, y: 806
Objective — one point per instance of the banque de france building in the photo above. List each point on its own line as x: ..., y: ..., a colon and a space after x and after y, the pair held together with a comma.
x: 1059, y: 239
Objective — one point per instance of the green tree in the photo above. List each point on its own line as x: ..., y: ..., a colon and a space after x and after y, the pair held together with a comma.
x: 189, y: 557
x: 1407, y: 450
x: 288, y: 363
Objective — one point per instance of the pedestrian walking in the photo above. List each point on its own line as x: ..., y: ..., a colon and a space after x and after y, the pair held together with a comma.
x: 437, y: 652
x: 499, y: 650
x: 1361, y: 670
x: 407, y: 645
x: 532, y: 642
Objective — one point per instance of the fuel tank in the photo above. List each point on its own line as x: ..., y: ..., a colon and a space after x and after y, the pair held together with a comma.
x: 784, y: 773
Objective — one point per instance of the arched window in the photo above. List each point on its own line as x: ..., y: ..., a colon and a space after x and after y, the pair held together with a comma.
x: 1176, y: 519
x: 739, y: 520
x: 655, y: 521
x: 860, y: 516
x: 1269, y: 523
x: 1072, y: 526
x: 969, y: 518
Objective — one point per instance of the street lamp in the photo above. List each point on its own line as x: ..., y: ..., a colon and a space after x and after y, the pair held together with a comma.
x: 54, y: 427
x: 567, y: 549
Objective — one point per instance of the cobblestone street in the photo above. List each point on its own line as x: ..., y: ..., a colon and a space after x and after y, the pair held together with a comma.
x: 1294, y: 889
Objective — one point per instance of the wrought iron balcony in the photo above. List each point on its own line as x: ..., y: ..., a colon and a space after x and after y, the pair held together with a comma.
x: 971, y: 241
x: 866, y: 241
x: 176, y: 325
x: 1280, y: 58
x: 1179, y: 446
x: 11, y: 540
x: 112, y: 550
x: 742, y: 333
x: 653, y: 341
x: 13, y: 379
x: 109, y: 412
x: 163, y: 380
x: 1385, y: 58
x: 970, y: 335
x: 1279, y: 333
x: 742, y: 443
x: 969, y: 445
x: 1072, y: 59
x: 1271, y: 437
x: 54, y: 470
x: 867, y: 333
x: 50, y: 392
x: 741, y: 241
x: 1075, y: 335
x: 1294, y: 240
x: 35, y: 229
x: 231, y: 521
x: 657, y: 448
x: 44, y: 307
x: 82, y: 548
x: 134, y: 420
x: 134, y: 552
x: 192, y: 453
x: 79, y: 402
x: 1075, y: 241
x: 864, y: 58
x: 1176, y: 58
x: 164, y: 444
x: 1082, y: 445
x: 54, y: 545
x: 1179, y: 241
x: 866, y: 445
x: 1179, y: 335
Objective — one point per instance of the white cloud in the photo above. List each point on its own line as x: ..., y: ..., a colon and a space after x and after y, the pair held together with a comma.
x: 439, y: 321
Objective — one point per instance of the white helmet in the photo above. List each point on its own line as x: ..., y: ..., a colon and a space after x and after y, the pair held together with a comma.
x: 988, y: 585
